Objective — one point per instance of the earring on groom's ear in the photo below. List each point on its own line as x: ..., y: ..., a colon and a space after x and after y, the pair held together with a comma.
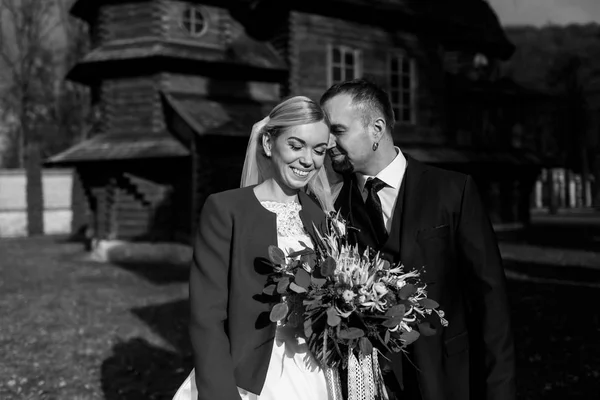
x: 375, y: 146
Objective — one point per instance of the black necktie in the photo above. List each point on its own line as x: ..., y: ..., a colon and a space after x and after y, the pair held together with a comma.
x: 374, y: 210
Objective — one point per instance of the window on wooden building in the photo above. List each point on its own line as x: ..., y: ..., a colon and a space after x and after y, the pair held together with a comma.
x: 403, y: 87
x: 193, y: 20
x: 343, y: 64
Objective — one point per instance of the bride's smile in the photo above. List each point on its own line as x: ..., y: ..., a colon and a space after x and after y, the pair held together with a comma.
x: 297, y: 154
x: 301, y: 173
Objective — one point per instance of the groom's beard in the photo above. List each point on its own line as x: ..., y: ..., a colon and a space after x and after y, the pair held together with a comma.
x: 340, y: 162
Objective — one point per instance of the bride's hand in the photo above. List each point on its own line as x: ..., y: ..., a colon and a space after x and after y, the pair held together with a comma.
x: 260, y: 124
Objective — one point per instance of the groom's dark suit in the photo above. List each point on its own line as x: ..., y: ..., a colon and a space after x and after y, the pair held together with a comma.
x: 439, y: 223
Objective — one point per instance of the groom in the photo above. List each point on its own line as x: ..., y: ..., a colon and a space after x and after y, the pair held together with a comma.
x: 426, y: 217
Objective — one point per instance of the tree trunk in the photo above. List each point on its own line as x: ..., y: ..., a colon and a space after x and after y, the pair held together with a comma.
x: 35, y: 193
x: 21, y: 150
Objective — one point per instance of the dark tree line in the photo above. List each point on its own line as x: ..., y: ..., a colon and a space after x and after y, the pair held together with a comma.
x: 565, y: 63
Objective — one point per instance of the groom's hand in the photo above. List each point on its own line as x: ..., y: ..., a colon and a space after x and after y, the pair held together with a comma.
x: 260, y: 124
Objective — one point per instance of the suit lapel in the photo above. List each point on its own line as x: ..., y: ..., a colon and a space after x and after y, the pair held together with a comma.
x: 342, y: 203
x: 351, y: 207
x: 412, y: 206
x: 311, y: 214
x: 360, y: 219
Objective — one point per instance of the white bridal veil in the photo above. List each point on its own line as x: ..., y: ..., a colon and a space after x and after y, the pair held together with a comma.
x: 257, y: 169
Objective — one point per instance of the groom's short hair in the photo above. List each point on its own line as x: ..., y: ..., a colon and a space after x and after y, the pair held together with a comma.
x: 367, y: 96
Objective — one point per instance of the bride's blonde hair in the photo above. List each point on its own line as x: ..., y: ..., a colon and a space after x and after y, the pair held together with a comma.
x: 295, y: 111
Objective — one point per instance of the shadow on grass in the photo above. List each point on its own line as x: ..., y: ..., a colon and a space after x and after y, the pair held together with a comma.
x: 157, y: 273
x: 140, y: 370
x: 170, y: 321
x: 160, y: 263
x: 556, y: 329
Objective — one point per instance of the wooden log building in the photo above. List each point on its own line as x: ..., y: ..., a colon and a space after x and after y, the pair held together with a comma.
x: 180, y: 84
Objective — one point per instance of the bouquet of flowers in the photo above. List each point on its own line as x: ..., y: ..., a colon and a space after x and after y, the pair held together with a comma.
x: 354, y: 304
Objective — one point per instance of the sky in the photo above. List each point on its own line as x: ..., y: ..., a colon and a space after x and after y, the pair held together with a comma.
x: 542, y: 12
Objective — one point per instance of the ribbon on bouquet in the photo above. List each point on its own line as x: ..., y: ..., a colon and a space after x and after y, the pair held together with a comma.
x: 365, y: 380
x: 334, y: 387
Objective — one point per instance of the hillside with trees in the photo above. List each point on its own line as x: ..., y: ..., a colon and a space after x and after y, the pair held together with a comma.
x: 565, y: 62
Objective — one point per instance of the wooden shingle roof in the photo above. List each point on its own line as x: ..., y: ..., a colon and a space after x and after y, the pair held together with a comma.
x: 242, y: 51
x: 459, y: 24
x: 213, y: 117
x: 186, y: 116
x: 121, y: 146
x: 86, y: 9
x: 170, y: 55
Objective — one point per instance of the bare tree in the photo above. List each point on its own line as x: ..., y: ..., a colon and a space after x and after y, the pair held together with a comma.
x: 75, y: 113
x: 28, y: 83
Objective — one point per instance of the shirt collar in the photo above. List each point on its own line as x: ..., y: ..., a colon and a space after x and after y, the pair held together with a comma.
x: 390, y: 175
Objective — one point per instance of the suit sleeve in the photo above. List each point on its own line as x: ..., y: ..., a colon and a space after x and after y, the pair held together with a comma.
x: 493, y: 371
x: 209, y: 276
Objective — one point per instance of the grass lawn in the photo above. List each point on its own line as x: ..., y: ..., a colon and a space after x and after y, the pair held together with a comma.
x: 74, y: 329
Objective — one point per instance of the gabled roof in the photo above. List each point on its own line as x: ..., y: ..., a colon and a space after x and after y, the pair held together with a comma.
x: 256, y: 58
x: 473, y: 23
x: 212, y: 117
x: 85, y: 9
x: 121, y: 146
x: 459, y: 24
x: 186, y: 115
x: 239, y: 55
x: 243, y: 51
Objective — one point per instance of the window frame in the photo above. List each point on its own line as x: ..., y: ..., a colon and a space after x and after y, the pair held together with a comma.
x: 401, y: 56
x: 194, y: 10
x: 344, y: 49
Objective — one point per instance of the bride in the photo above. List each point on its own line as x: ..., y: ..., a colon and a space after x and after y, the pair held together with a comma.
x: 238, y: 352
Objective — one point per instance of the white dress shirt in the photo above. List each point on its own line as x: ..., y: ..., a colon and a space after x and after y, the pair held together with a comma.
x: 392, y: 176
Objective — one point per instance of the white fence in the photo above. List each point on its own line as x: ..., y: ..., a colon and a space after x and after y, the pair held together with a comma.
x: 57, y: 202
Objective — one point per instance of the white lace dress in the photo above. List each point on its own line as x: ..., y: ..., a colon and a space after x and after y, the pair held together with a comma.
x: 293, y: 374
